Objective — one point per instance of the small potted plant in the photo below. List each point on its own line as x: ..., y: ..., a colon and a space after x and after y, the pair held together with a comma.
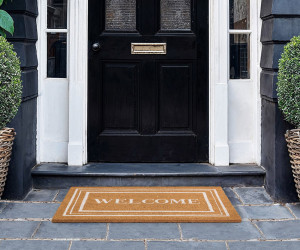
x: 288, y: 89
x: 10, y: 93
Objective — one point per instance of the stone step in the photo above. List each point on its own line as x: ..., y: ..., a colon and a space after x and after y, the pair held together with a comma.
x: 146, y: 174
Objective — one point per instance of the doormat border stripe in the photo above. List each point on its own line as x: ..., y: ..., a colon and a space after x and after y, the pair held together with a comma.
x: 219, y: 208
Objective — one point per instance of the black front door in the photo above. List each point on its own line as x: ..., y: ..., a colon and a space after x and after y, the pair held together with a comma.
x: 148, y: 81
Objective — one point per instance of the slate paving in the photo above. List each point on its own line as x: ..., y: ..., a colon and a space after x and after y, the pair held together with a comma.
x: 221, y: 231
x: 2, y: 206
x: 295, y: 208
x: 61, y: 195
x: 232, y: 196
x: 49, y: 230
x: 265, y: 225
x: 274, y: 212
x: 32, y: 244
x: 29, y: 210
x: 253, y: 196
x: 42, y: 195
x: 162, y: 231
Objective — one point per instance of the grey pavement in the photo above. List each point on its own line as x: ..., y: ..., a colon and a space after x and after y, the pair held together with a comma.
x: 295, y: 209
x: 42, y: 195
x: 265, y: 225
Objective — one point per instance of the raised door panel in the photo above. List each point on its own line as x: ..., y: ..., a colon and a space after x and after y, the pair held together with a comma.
x: 120, y: 97
x: 175, y: 97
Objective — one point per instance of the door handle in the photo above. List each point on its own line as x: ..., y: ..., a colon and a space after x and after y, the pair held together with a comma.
x: 96, y: 47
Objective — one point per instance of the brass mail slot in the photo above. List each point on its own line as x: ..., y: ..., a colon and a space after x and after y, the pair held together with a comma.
x: 148, y: 48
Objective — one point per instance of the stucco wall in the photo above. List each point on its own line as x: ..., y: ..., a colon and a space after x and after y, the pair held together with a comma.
x: 19, y: 182
x: 281, y: 21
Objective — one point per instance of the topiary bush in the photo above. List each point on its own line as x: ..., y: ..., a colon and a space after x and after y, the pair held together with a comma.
x: 10, y: 83
x: 288, y: 86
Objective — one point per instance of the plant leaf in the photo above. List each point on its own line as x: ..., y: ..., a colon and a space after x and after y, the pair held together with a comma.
x: 1, y: 2
x: 6, y: 22
x: 2, y: 33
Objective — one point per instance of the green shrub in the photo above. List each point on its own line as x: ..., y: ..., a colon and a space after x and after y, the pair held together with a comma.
x: 10, y: 82
x: 288, y: 86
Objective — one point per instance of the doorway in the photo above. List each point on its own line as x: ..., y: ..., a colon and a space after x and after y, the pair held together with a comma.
x: 148, y: 81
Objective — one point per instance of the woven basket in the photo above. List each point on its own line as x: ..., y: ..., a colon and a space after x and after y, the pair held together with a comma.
x: 293, y: 142
x: 7, y: 136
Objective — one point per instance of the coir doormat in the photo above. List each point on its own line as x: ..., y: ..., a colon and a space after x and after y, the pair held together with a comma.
x: 146, y: 204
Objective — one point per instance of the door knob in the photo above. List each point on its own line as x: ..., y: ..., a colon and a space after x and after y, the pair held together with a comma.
x: 96, y: 47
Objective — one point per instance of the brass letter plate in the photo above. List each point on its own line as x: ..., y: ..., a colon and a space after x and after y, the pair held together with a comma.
x: 148, y: 48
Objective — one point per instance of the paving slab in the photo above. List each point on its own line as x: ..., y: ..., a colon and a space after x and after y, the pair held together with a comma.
x: 220, y: 231
x: 280, y: 229
x: 49, y: 230
x: 254, y: 196
x: 34, y: 245
x: 2, y: 206
x: 187, y: 245
x: 232, y: 196
x: 29, y: 210
x: 17, y: 229
x: 144, y: 231
x: 242, y: 213
x: 61, y: 194
x: 295, y: 209
x: 265, y: 245
x: 275, y: 212
x: 41, y: 195
x: 108, y: 245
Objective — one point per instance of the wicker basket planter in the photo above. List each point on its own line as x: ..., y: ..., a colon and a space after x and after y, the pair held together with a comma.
x: 293, y: 142
x: 7, y: 136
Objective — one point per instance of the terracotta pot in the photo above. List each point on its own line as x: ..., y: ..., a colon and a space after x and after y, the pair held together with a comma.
x: 7, y: 136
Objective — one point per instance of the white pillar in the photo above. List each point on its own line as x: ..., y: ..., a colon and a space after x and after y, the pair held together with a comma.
x: 219, y: 60
x: 78, y: 40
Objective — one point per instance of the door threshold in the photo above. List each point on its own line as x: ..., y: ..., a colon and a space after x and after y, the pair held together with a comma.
x: 146, y: 169
x: 60, y: 176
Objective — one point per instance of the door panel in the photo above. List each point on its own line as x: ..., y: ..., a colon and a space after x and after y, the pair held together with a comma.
x: 175, y: 96
x: 119, y: 95
x: 146, y: 148
x: 148, y: 107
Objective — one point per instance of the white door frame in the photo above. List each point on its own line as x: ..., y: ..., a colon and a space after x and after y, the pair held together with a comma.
x: 218, y: 108
x: 219, y: 148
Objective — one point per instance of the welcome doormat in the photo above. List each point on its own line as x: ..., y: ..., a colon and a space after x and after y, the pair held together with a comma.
x: 146, y: 204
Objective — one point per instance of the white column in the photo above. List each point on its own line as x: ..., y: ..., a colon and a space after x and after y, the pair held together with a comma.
x: 77, y: 147
x: 219, y: 60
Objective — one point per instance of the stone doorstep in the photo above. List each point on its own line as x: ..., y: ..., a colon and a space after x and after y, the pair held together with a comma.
x: 146, y: 174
